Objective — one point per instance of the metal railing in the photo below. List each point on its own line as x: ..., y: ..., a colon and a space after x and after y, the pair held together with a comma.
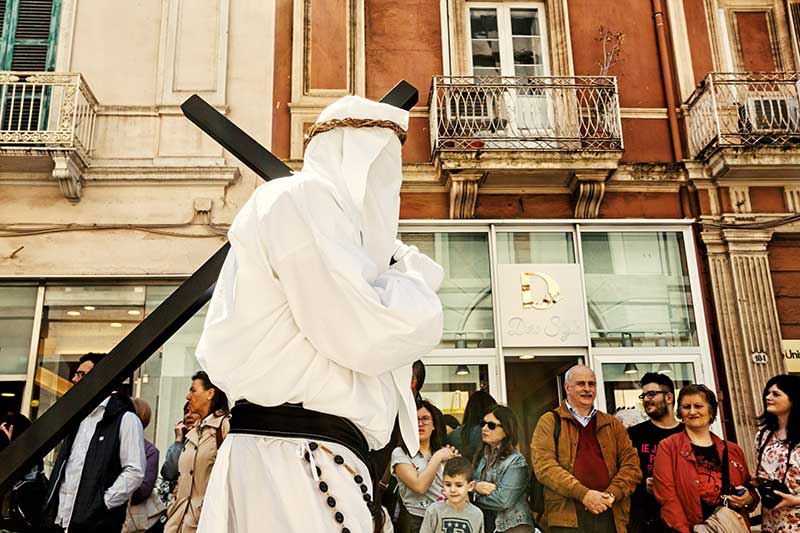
x: 53, y: 110
x: 743, y: 109
x: 525, y: 113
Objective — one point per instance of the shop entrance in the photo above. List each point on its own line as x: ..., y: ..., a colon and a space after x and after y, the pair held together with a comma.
x: 534, y: 386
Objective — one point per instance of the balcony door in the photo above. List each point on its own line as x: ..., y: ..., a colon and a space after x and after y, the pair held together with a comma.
x: 28, y: 30
x: 510, y: 40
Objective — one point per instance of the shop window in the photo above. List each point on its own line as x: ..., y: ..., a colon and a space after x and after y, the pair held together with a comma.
x: 535, y: 247
x: 638, y: 290
x: 449, y: 387
x: 466, y: 292
x: 10, y: 397
x: 622, y: 387
x: 17, y: 309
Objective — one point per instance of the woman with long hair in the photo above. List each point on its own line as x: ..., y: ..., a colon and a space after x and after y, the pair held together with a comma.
x: 467, y: 437
x: 419, y: 478
x: 696, y: 471
x: 199, y: 454
x: 502, y: 474
x: 778, y: 454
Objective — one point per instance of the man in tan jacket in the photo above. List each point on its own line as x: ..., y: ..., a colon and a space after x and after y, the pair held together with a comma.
x: 589, y: 479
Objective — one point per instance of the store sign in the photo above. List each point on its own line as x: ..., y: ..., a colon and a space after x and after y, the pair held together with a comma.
x: 542, y: 305
x: 791, y: 355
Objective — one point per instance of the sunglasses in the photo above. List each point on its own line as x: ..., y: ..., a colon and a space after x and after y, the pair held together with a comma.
x: 491, y: 425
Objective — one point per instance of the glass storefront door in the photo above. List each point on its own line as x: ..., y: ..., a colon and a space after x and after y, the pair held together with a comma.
x: 533, y: 387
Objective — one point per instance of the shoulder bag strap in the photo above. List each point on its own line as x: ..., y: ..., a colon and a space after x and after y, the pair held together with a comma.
x: 788, y: 462
x: 556, y: 429
x: 726, y: 470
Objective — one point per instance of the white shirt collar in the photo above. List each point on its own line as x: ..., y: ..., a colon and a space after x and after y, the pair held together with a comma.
x: 582, y: 420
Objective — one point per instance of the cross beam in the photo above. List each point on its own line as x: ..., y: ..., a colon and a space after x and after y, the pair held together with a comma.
x: 132, y: 351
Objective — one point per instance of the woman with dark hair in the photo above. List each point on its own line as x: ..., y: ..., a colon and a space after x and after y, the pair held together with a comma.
x: 695, y: 470
x: 502, y: 474
x: 199, y: 454
x: 778, y: 455
x: 419, y: 478
x: 467, y: 437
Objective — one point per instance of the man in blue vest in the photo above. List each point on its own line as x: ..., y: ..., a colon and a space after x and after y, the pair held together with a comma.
x: 98, y: 467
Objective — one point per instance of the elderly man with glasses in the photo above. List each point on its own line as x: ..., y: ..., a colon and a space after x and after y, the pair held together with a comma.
x: 658, y: 400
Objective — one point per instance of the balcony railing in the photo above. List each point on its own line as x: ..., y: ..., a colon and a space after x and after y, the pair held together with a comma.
x: 49, y: 110
x: 525, y: 114
x: 743, y: 109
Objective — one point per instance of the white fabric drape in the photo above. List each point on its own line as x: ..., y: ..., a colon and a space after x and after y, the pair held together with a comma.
x: 307, y: 309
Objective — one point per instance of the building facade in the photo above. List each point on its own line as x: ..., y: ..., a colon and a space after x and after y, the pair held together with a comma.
x: 608, y: 182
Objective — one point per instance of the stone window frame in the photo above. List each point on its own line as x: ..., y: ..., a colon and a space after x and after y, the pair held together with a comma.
x: 556, y: 16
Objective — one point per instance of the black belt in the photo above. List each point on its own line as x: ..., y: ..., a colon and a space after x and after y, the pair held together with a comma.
x: 292, y: 420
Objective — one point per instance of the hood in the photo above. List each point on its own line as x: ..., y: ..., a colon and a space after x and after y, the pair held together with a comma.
x: 364, y: 165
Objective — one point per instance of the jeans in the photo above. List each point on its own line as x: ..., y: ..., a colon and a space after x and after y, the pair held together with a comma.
x: 590, y: 523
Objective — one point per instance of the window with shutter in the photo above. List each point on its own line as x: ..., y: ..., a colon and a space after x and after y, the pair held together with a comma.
x: 27, y: 44
x: 794, y: 26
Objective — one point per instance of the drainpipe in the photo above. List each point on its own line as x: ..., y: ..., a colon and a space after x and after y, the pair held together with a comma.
x: 666, y: 74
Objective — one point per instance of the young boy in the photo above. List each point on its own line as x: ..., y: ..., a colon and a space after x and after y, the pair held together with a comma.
x: 456, y: 514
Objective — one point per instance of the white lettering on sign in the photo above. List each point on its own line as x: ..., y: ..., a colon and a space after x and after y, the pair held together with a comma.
x: 554, y: 327
x: 760, y: 358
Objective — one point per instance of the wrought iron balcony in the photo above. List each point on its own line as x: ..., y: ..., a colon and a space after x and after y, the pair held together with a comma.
x: 498, y: 113
x: 47, y: 110
x: 743, y: 109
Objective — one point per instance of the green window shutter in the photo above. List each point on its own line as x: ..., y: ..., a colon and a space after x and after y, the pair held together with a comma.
x: 2, y: 18
x: 29, y: 37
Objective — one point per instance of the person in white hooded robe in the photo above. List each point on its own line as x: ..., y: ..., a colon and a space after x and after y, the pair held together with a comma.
x: 308, y: 310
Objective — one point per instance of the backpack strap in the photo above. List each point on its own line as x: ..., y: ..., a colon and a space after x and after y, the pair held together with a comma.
x: 556, y: 429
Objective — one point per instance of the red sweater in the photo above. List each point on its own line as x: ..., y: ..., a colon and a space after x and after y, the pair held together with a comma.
x: 676, y: 484
x: 590, y: 467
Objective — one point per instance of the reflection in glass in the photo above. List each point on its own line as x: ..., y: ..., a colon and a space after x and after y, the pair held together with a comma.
x: 483, y: 23
x: 466, y: 292
x: 525, y: 22
x: 638, y: 290
x: 17, y: 309
x: 535, y: 247
x: 623, y: 388
x: 449, y: 391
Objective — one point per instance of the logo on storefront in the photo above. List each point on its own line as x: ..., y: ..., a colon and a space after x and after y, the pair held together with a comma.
x: 552, y: 294
x: 541, y: 305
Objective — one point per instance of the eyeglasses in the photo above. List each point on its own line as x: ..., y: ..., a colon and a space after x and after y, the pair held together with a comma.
x: 651, y: 394
x: 491, y: 425
x: 424, y: 420
x: 80, y: 374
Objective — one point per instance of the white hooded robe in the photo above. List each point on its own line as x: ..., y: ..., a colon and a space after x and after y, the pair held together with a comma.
x: 307, y: 310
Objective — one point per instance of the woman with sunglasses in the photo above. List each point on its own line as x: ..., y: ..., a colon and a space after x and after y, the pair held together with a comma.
x: 778, y: 455
x: 502, y: 474
x: 419, y: 478
x: 695, y: 470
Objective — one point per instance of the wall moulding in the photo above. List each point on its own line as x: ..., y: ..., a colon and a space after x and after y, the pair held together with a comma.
x: 188, y: 65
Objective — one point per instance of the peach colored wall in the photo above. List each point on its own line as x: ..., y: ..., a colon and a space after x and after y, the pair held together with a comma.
x: 417, y: 148
x: 784, y: 263
x: 403, y: 40
x: 767, y: 200
x: 646, y: 140
x: 282, y: 82
x: 328, y: 46
x: 699, y: 42
x: 754, y: 38
x: 639, y: 74
x: 424, y: 205
x: 640, y: 205
x: 725, y: 200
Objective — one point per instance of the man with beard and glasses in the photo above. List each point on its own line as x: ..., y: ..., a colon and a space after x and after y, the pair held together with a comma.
x: 591, y: 469
x: 658, y: 400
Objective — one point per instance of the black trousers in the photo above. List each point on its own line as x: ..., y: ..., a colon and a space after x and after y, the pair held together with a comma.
x: 590, y: 523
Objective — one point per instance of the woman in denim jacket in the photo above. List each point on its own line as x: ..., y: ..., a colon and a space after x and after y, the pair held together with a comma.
x: 502, y: 474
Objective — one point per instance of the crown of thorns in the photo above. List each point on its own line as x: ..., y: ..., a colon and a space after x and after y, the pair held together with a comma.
x: 328, y: 125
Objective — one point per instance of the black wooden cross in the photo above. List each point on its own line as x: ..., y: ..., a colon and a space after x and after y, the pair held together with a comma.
x: 132, y: 351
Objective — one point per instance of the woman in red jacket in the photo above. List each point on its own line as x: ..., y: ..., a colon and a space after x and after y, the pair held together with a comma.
x: 690, y: 466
